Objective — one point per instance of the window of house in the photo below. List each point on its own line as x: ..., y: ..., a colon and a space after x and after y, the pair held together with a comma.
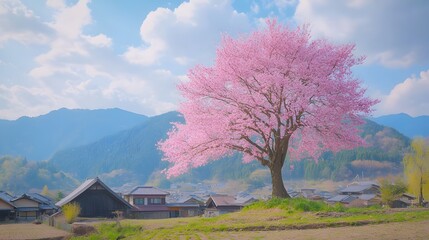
x: 155, y: 200
x: 138, y: 201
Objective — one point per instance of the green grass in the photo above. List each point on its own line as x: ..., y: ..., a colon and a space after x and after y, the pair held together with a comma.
x: 296, y: 205
x: 275, y: 214
x: 112, y: 231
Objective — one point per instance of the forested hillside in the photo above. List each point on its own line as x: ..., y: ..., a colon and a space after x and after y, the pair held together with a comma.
x: 38, y: 138
x: 126, y: 157
x: 18, y: 175
x: 131, y: 156
x: 382, y: 155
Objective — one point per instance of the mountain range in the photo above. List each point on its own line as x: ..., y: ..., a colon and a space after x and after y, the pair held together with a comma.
x: 120, y: 147
x: 38, y: 138
x: 411, y: 127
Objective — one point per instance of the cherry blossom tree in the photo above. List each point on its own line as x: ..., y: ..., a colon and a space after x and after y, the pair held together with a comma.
x: 273, y: 93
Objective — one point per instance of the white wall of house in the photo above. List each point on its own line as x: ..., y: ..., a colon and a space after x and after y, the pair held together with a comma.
x: 5, y: 206
x: 25, y: 203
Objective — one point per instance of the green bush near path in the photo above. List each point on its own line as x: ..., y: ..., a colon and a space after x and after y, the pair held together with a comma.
x: 296, y: 205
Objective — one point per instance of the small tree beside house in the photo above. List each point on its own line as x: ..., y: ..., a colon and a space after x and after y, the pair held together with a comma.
x: 416, y: 169
x: 391, y: 191
x: 71, y: 211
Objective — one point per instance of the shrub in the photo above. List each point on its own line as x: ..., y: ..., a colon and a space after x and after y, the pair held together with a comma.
x: 71, y: 211
x: 337, y: 207
x: 392, y: 190
x: 306, y: 205
x: 295, y: 204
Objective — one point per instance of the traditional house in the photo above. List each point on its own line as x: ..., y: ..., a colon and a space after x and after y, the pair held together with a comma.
x: 360, y: 188
x: 96, y: 199
x: 365, y: 200
x: 30, y: 206
x: 148, y: 202
x: 7, y: 209
x: 406, y: 200
x: 194, y: 199
x: 189, y: 206
x: 184, y: 209
x: 358, y: 194
x: 220, y: 204
x: 343, y: 199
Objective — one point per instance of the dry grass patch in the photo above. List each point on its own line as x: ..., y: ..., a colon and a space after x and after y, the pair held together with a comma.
x: 24, y: 231
x: 408, y: 231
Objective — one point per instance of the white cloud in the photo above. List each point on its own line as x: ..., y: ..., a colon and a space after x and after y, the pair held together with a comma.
x: 56, y: 4
x: 69, y: 21
x: 410, y: 96
x: 15, y: 7
x: 393, y: 33
x: 100, y: 40
x: 18, y: 23
x: 80, y: 70
x: 144, y: 56
x: 19, y: 100
x: 187, y: 34
x: 75, y: 69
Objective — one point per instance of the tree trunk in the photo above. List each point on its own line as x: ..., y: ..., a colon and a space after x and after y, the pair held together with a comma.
x: 421, y: 191
x: 279, y: 189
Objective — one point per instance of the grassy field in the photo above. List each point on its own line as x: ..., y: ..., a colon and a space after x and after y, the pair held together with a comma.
x: 275, y: 220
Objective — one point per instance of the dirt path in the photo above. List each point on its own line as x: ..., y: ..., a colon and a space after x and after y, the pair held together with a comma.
x: 23, y: 231
x: 389, y: 231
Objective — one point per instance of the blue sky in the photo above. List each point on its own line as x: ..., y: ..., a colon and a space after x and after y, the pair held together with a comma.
x: 131, y: 54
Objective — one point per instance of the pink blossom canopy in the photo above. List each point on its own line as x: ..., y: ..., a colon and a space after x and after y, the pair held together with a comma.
x: 272, y: 85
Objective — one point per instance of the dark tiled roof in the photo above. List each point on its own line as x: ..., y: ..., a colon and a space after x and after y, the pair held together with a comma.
x: 147, y: 190
x: 151, y: 208
x: 225, y: 200
x: 6, y: 196
x: 367, y: 197
x: 349, y: 199
x: 356, y: 188
x: 337, y: 198
x: 409, y: 196
x: 342, y: 198
x: 46, y: 202
x: 83, y: 187
x: 27, y: 196
x: 196, y: 205
x: 191, y: 198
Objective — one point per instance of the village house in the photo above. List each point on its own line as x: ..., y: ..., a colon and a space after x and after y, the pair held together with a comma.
x: 30, y: 206
x: 96, y: 199
x: 359, y: 188
x: 309, y: 193
x: 404, y: 201
x: 184, y: 209
x: 221, y: 204
x: 188, y: 206
x: 7, y: 209
x: 358, y: 194
x: 148, y: 202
